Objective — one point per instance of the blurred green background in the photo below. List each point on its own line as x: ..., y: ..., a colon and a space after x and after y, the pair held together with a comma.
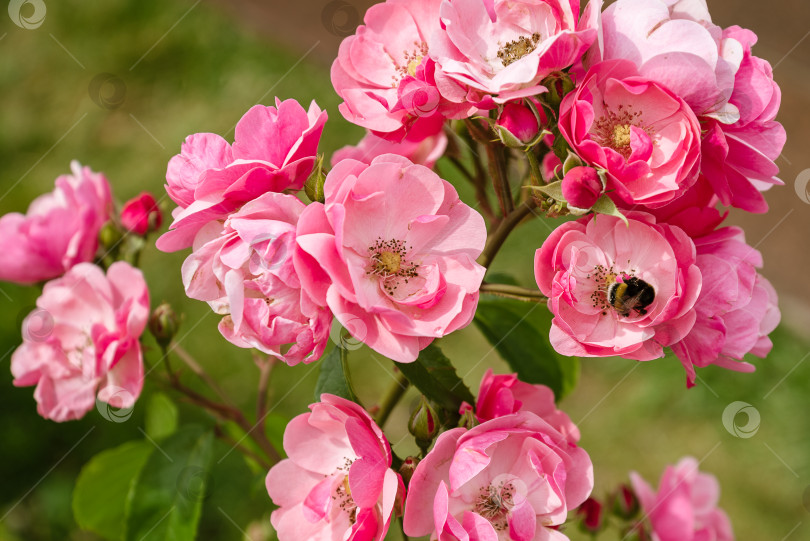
x: 180, y: 67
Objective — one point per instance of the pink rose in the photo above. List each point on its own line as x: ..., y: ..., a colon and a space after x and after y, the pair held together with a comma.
x: 59, y: 230
x: 337, y: 482
x: 738, y: 159
x: 392, y: 253
x: 505, y: 394
x: 273, y: 151
x: 141, y: 214
x: 616, y: 289
x: 496, y: 51
x: 644, y: 136
x: 674, y: 43
x: 244, y: 269
x: 82, y: 341
x: 384, y: 74
x: 695, y: 211
x: 685, y: 507
x: 736, y: 309
x: 581, y: 188
x: 424, y: 152
x: 514, y: 475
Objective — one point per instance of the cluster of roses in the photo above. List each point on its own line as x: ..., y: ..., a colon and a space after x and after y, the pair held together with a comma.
x: 512, y: 473
x: 82, y: 341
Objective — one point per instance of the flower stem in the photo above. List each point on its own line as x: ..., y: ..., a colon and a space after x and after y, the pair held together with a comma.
x: 514, y: 292
x: 498, y: 237
x: 395, y: 392
x: 536, y: 177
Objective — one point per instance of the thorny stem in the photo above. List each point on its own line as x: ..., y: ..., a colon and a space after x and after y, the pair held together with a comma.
x: 497, y: 238
x: 514, y: 292
x: 395, y: 392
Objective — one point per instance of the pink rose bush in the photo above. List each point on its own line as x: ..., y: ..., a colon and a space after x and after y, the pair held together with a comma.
x: 337, y: 482
x: 645, y: 137
x: 685, y: 506
x: 81, y: 343
x: 392, y: 253
x: 513, y: 477
x: 59, y: 230
x: 617, y: 289
x: 493, y: 51
x: 274, y: 150
x: 244, y: 269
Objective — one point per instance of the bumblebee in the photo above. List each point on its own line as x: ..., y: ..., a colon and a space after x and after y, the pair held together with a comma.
x: 631, y: 294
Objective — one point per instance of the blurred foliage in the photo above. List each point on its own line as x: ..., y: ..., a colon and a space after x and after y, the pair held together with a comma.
x: 202, y: 75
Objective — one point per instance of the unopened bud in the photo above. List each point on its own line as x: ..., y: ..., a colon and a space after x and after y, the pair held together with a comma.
x: 109, y: 237
x: 558, y: 84
x: 517, y: 125
x: 582, y: 186
x: 141, y: 215
x: 468, y: 419
x: 591, y: 515
x: 407, y: 469
x: 313, y: 187
x: 623, y: 502
x: 424, y: 424
x: 164, y: 324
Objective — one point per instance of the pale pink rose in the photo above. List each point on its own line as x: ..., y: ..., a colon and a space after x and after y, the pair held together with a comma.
x: 685, y: 506
x: 82, y: 341
x: 424, y: 151
x: 141, y: 214
x: 244, y: 269
x: 337, y: 482
x: 644, y: 136
x: 505, y: 394
x: 736, y: 309
x: 385, y: 76
x: 273, y: 151
x: 583, y: 264
x: 59, y: 230
x: 674, y: 43
x: 513, y: 477
x: 738, y: 159
x: 492, y: 52
x: 392, y: 253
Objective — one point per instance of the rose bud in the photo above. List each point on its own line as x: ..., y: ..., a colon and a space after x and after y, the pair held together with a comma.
x: 424, y: 424
x: 581, y: 188
x: 467, y: 413
x: 141, y: 214
x: 517, y: 125
x: 548, y: 167
x: 407, y: 468
x: 591, y: 516
x: 164, y: 324
x: 623, y: 502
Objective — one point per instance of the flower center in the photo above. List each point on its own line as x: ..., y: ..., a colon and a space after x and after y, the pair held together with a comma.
x: 494, y: 503
x: 342, y: 495
x: 620, y: 291
x: 388, y: 260
x: 613, y: 128
x: 411, y: 60
x: 517, y: 49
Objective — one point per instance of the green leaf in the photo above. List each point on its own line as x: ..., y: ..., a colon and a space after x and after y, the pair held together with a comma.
x: 103, y: 487
x: 605, y: 205
x: 553, y: 190
x: 519, y: 331
x: 333, y: 378
x: 167, y: 498
x: 435, y: 376
x: 161, y: 416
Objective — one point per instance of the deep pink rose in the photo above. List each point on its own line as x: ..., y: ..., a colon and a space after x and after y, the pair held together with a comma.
x: 141, y: 214
x: 736, y: 309
x: 505, y: 394
x: 337, y: 482
x: 59, y: 230
x: 581, y: 188
x: 273, y: 151
x: 685, y: 506
x: 517, y: 124
x: 644, y: 136
x: 424, y: 152
x: 82, y: 341
x: 674, y: 43
x: 738, y: 159
x: 385, y: 76
x: 695, y: 211
x: 509, y: 478
x: 496, y: 51
x: 244, y: 269
x: 392, y: 253
x: 616, y: 289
